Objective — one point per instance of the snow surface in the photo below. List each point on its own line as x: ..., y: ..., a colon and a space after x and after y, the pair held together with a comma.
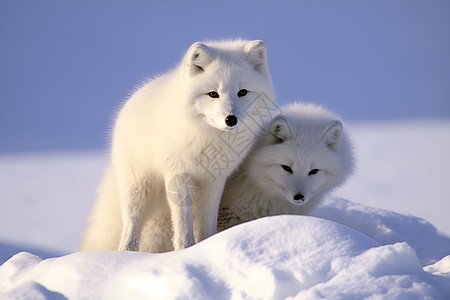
x: 45, y: 199
x: 270, y: 258
x: 403, y: 166
x: 345, y: 250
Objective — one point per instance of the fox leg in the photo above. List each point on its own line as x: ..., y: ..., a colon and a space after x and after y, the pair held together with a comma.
x: 133, y: 198
x: 207, y: 209
x: 181, y: 192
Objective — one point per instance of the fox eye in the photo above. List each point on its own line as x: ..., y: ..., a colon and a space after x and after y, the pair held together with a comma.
x: 313, y: 171
x: 287, y: 168
x: 242, y: 93
x: 213, y: 94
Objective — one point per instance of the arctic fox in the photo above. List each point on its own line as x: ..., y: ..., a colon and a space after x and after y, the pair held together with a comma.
x: 175, y: 142
x: 302, y: 156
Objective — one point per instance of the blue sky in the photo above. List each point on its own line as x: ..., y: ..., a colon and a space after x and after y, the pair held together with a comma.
x: 65, y: 66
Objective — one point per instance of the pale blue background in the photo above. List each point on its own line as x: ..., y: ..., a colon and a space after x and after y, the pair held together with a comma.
x: 65, y: 66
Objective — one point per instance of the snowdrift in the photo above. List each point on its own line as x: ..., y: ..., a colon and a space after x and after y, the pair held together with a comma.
x: 387, y: 227
x: 282, y: 257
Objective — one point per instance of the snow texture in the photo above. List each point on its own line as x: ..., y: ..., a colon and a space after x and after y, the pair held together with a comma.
x: 271, y: 258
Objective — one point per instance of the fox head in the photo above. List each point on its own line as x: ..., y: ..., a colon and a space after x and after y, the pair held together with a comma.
x: 302, y: 157
x: 223, y: 78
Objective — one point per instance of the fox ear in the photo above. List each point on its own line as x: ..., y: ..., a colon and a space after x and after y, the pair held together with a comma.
x: 279, y: 131
x: 198, y: 58
x: 332, y: 134
x: 257, y: 55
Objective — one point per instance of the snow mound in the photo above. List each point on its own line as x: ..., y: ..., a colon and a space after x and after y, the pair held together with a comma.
x: 271, y: 258
x: 442, y: 267
x: 387, y: 227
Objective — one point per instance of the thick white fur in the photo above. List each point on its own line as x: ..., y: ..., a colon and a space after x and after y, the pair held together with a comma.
x: 167, y: 129
x: 305, y: 137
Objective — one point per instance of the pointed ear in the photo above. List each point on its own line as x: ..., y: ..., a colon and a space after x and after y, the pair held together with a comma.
x: 198, y: 58
x: 257, y: 55
x: 332, y: 134
x: 278, y: 132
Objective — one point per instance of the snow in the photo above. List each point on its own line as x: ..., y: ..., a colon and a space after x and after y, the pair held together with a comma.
x: 441, y: 267
x: 387, y: 227
x: 403, y: 166
x: 381, y: 243
x: 45, y: 190
x: 270, y: 258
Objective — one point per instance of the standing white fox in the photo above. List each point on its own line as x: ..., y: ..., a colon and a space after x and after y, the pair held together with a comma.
x: 175, y: 142
x: 303, y: 155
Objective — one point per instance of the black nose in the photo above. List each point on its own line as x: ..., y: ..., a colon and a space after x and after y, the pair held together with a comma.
x: 299, y: 197
x: 231, y: 121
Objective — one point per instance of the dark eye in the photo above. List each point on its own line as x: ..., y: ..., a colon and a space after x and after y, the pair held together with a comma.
x: 313, y: 171
x: 287, y: 168
x: 242, y: 93
x: 213, y: 94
